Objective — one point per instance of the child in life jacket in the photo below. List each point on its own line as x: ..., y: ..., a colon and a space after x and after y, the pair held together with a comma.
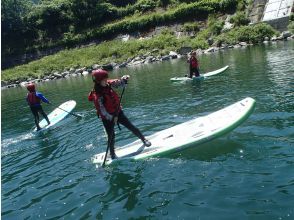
x: 194, y: 66
x: 34, y: 99
x: 107, y: 104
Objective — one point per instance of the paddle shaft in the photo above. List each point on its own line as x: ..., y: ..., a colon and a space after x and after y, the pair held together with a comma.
x: 111, y: 135
x: 78, y: 116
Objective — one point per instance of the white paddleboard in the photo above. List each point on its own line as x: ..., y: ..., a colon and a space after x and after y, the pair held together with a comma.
x: 57, y: 114
x: 202, y: 76
x: 185, y: 135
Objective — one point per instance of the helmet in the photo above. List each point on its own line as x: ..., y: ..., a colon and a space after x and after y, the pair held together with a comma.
x: 31, y: 87
x: 99, y: 74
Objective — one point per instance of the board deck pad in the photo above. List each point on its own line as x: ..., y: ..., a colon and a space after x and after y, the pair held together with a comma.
x: 57, y: 115
x: 202, y: 76
x: 185, y: 135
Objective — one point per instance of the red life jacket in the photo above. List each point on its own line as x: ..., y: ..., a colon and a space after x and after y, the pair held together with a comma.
x: 33, y: 99
x: 110, y: 100
x: 193, y: 62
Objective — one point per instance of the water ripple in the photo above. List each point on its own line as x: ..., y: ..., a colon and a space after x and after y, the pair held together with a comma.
x: 51, y: 176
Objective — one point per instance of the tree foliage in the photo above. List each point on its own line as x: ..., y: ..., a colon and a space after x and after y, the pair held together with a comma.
x: 15, y: 30
x: 36, y: 25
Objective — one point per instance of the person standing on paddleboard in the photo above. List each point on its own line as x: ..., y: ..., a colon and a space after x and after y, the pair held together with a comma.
x: 194, y: 65
x: 107, y: 104
x: 34, y: 99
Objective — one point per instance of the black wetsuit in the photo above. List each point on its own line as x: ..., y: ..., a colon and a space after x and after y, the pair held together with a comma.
x: 194, y: 70
x: 109, y: 127
x: 35, y: 110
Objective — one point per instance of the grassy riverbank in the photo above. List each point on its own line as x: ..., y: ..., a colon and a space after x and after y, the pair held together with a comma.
x: 118, y: 51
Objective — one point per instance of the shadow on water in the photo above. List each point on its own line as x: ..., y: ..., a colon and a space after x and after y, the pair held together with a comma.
x: 125, y: 185
x: 209, y: 151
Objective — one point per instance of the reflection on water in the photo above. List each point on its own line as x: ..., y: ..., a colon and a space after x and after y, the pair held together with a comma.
x: 124, y: 188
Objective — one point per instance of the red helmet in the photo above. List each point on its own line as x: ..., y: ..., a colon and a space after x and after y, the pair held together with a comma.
x: 99, y: 74
x: 31, y: 87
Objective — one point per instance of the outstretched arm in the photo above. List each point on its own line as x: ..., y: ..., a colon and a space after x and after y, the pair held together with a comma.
x: 119, y: 82
x: 42, y: 97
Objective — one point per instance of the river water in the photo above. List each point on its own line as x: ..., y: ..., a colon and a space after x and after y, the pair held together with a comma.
x: 247, y: 174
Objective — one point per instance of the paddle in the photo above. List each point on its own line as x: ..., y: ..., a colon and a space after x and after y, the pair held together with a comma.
x: 110, y: 137
x: 76, y: 115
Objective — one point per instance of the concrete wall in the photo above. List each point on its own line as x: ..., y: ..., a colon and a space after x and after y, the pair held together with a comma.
x: 276, y: 9
x: 277, y: 12
x: 279, y: 24
x: 274, y: 12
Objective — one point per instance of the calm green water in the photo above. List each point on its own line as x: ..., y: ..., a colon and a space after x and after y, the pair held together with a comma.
x: 247, y: 174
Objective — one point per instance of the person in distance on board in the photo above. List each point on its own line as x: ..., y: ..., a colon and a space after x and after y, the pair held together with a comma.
x: 107, y: 104
x: 34, y: 99
x: 194, y: 65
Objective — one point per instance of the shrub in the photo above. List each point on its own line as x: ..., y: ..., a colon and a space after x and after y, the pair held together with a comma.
x: 199, y: 43
x: 228, y: 5
x: 241, y: 6
x: 291, y: 27
x: 191, y: 26
x: 255, y: 33
x: 215, y: 25
x: 145, y: 5
x: 291, y: 17
x: 164, y: 3
x: 239, y: 19
x: 167, y: 31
